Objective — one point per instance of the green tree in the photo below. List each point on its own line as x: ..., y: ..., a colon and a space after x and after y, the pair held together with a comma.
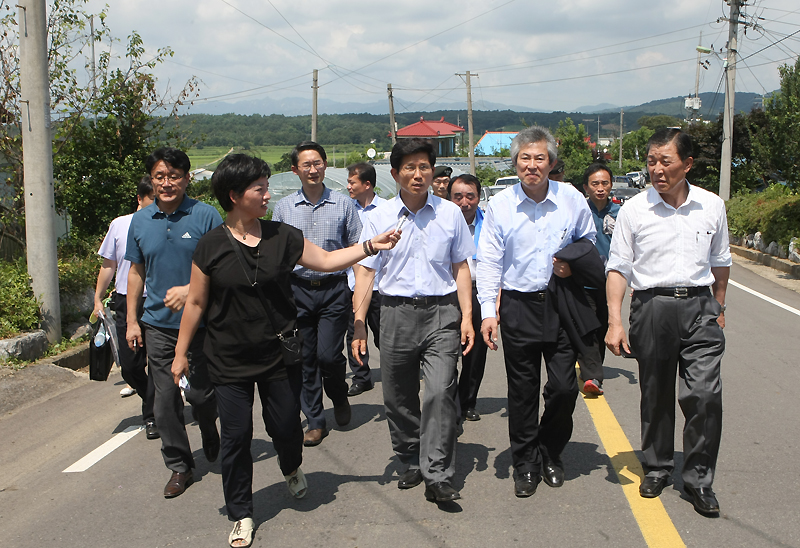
x: 659, y: 121
x: 747, y: 169
x: 100, y: 137
x: 634, y: 151
x: 778, y: 149
x: 573, y: 149
x: 284, y: 164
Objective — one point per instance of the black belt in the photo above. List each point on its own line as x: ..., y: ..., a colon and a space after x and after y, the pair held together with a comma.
x: 320, y: 283
x: 676, y: 292
x: 391, y: 300
x: 538, y: 296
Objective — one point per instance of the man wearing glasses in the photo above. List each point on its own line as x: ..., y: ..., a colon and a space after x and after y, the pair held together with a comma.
x: 422, y: 283
x: 161, y: 241
x: 329, y: 220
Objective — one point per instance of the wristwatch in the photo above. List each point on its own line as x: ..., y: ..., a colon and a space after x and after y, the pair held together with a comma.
x: 724, y: 307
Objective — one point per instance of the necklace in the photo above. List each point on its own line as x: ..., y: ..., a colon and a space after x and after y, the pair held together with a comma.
x: 246, y: 233
x: 255, y: 272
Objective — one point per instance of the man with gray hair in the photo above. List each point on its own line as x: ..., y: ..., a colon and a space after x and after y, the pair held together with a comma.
x: 524, y: 227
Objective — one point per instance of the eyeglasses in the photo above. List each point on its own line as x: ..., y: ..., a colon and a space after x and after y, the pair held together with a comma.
x: 172, y: 177
x: 411, y: 168
x: 306, y: 166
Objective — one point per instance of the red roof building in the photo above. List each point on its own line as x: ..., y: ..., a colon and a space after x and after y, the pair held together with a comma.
x: 442, y: 133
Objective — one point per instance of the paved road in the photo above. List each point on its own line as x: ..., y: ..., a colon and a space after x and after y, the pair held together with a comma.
x: 353, y: 499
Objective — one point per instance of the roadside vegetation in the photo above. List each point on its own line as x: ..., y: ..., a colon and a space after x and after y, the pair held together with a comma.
x: 775, y: 213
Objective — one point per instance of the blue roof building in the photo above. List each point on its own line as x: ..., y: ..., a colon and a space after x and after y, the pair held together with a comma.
x: 492, y: 141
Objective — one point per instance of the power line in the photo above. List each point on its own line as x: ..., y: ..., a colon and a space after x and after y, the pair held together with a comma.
x: 433, y: 36
x: 529, y: 64
x: 569, y: 78
x: 770, y: 45
x: 489, y: 69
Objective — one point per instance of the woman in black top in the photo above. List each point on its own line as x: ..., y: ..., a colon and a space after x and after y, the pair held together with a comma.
x: 241, y: 340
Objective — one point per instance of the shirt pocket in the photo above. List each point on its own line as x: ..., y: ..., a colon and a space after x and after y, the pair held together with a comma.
x: 702, y: 251
x: 438, y: 251
x: 558, y: 237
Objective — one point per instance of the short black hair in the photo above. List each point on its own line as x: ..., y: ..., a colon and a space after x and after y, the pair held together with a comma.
x: 235, y: 173
x: 407, y: 147
x: 682, y: 140
x: 465, y: 178
x: 594, y: 168
x: 307, y: 145
x: 145, y: 187
x: 365, y: 173
x: 171, y: 155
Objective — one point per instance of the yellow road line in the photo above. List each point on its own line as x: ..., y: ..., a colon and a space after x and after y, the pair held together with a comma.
x: 654, y: 522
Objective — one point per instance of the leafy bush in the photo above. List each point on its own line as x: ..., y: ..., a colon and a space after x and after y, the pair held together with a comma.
x: 18, y: 309
x: 775, y: 213
x: 78, y: 265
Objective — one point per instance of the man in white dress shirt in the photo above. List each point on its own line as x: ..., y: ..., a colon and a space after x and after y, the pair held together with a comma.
x: 524, y: 227
x: 671, y: 246
x: 423, y: 282
x: 361, y: 179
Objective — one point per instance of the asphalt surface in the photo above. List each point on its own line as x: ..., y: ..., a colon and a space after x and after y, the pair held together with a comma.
x: 353, y: 500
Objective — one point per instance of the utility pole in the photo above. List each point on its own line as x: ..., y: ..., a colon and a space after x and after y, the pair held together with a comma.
x: 469, y: 123
x: 94, y: 71
x: 730, y: 96
x: 620, y: 137
x: 315, y: 87
x: 37, y: 149
x: 596, y: 137
x: 392, y: 123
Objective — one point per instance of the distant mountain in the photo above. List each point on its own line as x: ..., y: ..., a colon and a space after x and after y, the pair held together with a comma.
x: 595, y: 109
x: 711, y: 105
x: 298, y: 106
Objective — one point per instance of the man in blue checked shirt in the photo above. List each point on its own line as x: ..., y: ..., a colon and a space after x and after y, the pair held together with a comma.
x: 329, y: 220
x: 423, y: 282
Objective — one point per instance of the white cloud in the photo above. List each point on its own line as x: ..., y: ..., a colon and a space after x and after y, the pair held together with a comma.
x: 564, y: 40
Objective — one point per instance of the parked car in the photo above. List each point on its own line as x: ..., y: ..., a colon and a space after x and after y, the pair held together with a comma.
x: 638, y: 177
x: 506, y: 181
x: 487, y: 192
x: 622, y: 181
x: 621, y: 195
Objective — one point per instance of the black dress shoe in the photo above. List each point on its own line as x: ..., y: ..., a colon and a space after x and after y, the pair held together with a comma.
x: 441, y: 491
x: 525, y: 483
x: 342, y: 413
x: 359, y: 388
x: 411, y: 478
x: 151, y: 430
x: 703, y: 499
x: 177, y: 484
x: 210, y: 444
x: 472, y: 415
x: 651, y: 486
x: 552, y: 472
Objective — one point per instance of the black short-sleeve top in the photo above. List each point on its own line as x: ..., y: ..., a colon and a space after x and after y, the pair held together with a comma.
x: 241, y: 342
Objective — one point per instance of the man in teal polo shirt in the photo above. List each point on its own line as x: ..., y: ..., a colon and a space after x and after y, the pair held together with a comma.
x: 161, y: 241
x: 597, y: 182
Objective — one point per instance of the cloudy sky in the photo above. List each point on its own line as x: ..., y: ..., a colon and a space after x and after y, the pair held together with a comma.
x: 543, y: 54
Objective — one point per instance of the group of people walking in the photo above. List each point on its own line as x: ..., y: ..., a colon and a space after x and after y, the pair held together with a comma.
x: 244, y: 302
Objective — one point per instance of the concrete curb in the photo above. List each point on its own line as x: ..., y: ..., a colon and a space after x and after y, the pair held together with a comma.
x: 769, y: 260
x: 74, y: 358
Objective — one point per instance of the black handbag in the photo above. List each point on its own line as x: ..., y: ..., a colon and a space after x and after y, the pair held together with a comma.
x: 101, y: 356
x: 292, y: 343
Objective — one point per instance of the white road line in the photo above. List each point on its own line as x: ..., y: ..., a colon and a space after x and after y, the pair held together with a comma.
x: 95, y: 456
x: 762, y: 296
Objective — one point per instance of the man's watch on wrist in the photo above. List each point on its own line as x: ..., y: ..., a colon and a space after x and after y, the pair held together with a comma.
x: 724, y: 307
